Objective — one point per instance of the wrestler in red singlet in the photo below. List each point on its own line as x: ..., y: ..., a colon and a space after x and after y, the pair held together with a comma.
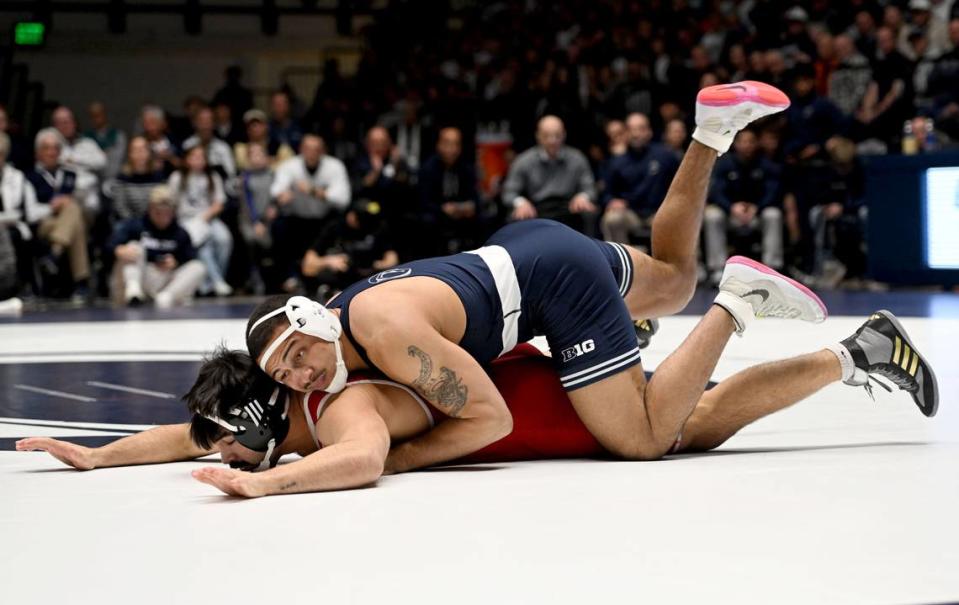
x: 545, y: 425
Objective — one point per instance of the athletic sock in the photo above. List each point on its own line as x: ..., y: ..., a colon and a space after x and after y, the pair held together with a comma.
x: 846, y: 362
x: 741, y: 311
x: 714, y: 140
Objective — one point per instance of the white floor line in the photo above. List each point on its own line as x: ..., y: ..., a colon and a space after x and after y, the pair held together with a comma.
x: 126, y: 389
x: 76, y: 425
x: 98, y: 357
x: 27, y: 387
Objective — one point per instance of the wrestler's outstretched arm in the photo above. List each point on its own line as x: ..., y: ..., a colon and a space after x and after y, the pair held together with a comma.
x: 356, y: 441
x: 408, y: 349
x: 166, y: 443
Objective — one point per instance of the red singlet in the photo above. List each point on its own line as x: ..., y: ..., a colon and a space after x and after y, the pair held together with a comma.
x: 545, y: 425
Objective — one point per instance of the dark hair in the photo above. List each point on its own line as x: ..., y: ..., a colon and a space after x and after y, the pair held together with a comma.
x: 184, y: 170
x: 224, y: 379
x: 257, y: 342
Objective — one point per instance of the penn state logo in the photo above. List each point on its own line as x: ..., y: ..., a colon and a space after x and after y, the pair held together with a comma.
x: 389, y: 274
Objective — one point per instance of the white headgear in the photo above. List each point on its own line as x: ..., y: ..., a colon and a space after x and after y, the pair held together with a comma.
x: 311, y: 318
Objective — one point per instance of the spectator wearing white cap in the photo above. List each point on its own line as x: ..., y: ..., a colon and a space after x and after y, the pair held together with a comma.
x: 795, y: 41
x: 258, y: 132
x: 926, y: 24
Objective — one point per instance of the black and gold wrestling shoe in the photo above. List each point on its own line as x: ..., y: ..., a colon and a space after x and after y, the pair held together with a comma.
x: 645, y: 330
x: 881, y: 347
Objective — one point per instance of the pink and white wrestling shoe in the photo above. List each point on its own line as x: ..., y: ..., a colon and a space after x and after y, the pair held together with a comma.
x: 725, y: 109
x: 750, y: 289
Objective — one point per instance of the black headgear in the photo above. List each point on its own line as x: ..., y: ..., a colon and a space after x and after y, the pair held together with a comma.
x: 259, y: 421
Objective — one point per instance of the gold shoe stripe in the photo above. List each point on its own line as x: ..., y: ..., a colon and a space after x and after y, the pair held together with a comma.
x: 906, y: 357
x: 915, y: 365
x: 895, y: 355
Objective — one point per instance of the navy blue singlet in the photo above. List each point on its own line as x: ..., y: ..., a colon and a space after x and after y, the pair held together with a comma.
x: 533, y: 278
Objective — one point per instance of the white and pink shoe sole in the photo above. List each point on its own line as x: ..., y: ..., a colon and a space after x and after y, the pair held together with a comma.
x: 737, y: 93
x: 725, y: 109
x: 747, y: 270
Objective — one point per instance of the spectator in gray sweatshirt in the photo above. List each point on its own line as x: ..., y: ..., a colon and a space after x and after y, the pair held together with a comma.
x: 552, y: 180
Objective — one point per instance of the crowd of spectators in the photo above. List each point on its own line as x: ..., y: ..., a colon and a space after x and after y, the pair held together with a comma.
x: 456, y: 122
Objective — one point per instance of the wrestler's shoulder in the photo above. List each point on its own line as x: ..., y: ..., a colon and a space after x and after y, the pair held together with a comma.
x: 387, y: 308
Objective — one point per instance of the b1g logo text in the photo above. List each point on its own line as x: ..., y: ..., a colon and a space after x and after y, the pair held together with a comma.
x: 587, y: 346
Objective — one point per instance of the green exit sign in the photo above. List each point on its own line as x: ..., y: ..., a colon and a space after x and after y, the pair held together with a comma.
x: 29, y: 33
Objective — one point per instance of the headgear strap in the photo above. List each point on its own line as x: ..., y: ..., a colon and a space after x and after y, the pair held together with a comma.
x: 311, y: 318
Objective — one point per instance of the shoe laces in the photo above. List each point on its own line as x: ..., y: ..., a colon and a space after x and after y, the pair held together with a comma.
x: 894, y: 375
x: 868, y: 387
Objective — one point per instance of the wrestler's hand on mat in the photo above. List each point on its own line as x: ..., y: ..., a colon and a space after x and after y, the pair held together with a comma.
x: 79, y: 457
x: 240, y: 484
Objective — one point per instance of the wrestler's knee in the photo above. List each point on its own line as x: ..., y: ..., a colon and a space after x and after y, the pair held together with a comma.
x: 702, y: 431
x: 639, y: 449
x: 678, y: 286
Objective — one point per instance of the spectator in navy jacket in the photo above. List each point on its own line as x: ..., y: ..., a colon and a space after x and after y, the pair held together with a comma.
x: 744, y: 197
x: 837, y: 214
x: 382, y: 175
x: 812, y: 119
x: 638, y: 182
x: 154, y: 256
x: 449, y: 197
x: 58, y: 219
x: 284, y: 129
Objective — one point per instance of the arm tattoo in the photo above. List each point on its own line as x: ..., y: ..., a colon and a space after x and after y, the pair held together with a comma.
x: 288, y: 486
x: 446, y: 390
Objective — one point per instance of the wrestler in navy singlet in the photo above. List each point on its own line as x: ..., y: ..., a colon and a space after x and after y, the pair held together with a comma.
x: 534, y: 278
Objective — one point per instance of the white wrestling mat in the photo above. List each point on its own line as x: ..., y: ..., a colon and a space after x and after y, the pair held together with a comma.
x: 837, y: 500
